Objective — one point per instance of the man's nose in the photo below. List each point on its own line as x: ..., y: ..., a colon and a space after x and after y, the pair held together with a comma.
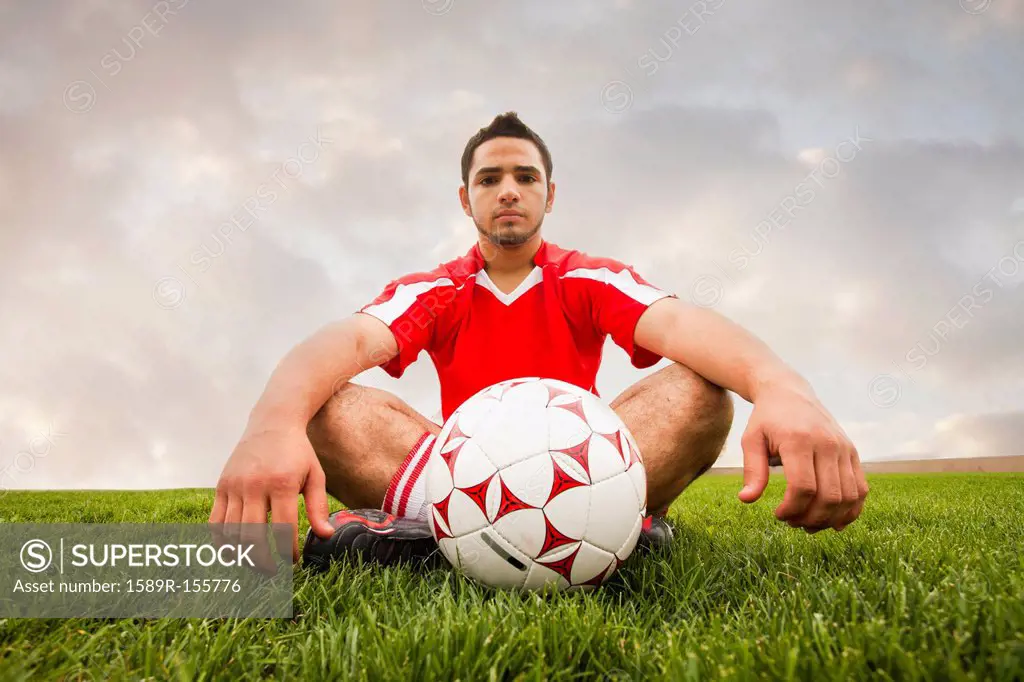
x: 509, y: 193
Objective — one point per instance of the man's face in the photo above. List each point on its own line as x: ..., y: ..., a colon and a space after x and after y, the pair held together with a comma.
x: 508, y: 193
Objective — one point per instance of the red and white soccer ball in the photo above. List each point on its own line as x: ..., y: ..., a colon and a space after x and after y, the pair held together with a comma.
x: 536, y: 483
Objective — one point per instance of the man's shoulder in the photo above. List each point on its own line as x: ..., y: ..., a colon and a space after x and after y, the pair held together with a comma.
x: 570, y: 262
x: 453, y: 272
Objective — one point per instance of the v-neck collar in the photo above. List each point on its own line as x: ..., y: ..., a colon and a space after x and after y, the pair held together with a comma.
x: 535, y: 277
x: 531, y: 280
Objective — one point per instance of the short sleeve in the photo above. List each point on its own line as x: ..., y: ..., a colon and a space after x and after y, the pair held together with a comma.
x: 410, y: 306
x: 618, y: 305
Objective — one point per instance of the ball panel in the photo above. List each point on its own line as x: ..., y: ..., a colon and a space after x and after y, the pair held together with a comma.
x: 471, y: 465
x: 563, y: 480
x: 611, y: 569
x: 591, y: 562
x: 542, y: 578
x: 513, y: 433
x: 630, y: 543
x: 438, y: 519
x: 523, y: 529
x: 446, y: 431
x: 605, y: 459
x: 614, y: 509
x: 567, y: 387
x: 525, y: 392
x: 448, y: 549
x: 438, y: 482
x: 632, y: 441
x: 493, y: 497
x: 565, y: 429
x: 600, y: 416
x: 472, y: 414
x: 561, y: 394
x: 493, y: 391
x: 570, y: 466
x: 508, y: 501
x: 503, y: 387
x: 568, y: 511
x: 559, y: 553
x: 531, y: 479
x: 487, y: 557
x: 464, y: 514
x: 563, y: 564
x: 638, y: 476
x: 621, y: 444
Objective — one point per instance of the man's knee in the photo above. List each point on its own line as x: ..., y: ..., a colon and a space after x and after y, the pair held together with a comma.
x: 350, y: 407
x: 716, y: 412
x: 705, y: 414
x: 706, y: 403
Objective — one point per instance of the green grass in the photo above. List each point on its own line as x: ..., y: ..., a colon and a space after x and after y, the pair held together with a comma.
x: 928, y: 584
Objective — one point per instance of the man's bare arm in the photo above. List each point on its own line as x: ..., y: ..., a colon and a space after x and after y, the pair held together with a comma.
x: 826, y: 486
x: 718, y: 349
x: 318, y: 367
x: 274, y: 461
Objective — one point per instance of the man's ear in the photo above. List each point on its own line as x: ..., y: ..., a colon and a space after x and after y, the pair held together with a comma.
x: 464, y: 200
x: 551, y: 198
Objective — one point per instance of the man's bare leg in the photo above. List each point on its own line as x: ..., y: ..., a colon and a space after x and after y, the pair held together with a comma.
x: 680, y: 422
x: 361, y: 437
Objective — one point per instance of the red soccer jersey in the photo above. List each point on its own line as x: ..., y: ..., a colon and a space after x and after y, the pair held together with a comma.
x: 553, y: 325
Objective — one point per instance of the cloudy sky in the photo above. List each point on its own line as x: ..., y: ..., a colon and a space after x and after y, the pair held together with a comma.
x: 189, y: 189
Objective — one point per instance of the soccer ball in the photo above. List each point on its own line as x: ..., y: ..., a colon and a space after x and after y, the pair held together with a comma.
x: 536, y: 484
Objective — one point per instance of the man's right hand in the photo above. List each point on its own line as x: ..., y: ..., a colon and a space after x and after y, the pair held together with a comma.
x: 266, y: 473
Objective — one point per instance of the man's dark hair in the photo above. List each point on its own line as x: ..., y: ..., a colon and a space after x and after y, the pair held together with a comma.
x: 504, y: 125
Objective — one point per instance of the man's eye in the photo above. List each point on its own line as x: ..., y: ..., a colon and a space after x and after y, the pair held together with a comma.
x: 486, y: 181
x: 527, y: 178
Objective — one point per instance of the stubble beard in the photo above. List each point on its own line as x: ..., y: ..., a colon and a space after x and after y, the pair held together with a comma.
x: 507, y: 237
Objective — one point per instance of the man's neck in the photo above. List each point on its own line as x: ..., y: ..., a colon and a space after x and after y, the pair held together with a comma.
x: 507, y: 260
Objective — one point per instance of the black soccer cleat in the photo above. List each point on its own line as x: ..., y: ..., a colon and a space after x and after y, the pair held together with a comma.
x: 377, y: 536
x: 656, y: 535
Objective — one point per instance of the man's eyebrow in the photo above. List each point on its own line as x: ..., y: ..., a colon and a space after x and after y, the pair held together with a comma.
x: 518, y: 169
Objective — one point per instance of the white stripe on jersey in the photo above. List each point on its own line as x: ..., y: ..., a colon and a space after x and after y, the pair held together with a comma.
x: 623, y: 281
x: 403, y: 298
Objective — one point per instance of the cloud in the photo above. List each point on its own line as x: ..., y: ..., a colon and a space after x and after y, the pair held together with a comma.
x: 973, y: 435
x: 147, y: 297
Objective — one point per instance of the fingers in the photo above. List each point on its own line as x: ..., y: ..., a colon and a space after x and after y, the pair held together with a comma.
x: 254, y: 531
x: 217, y: 516
x: 755, y: 465
x: 254, y: 509
x: 828, y: 496
x: 801, y: 483
x: 839, y: 487
x: 220, y: 506
x: 315, y: 494
x: 285, y: 509
x: 862, y: 492
x: 233, y: 515
x: 848, y: 484
x: 229, y: 530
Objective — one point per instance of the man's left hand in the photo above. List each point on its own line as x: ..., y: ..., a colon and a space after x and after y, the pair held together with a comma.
x: 825, y: 486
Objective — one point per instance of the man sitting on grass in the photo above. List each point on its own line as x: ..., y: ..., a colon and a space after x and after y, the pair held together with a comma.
x: 516, y: 305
